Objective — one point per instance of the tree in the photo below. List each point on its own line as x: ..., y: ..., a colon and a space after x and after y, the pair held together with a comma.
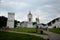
x: 15, y: 23
x: 3, y: 21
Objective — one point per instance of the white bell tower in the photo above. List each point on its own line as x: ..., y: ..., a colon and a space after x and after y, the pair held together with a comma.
x: 30, y: 24
x: 30, y: 17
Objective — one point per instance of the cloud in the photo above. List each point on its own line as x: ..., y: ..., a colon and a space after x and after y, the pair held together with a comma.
x: 3, y: 13
x: 46, y: 10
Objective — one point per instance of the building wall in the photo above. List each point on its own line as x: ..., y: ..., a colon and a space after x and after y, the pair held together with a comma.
x: 10, y: 21
x: 23, y: 25
x: 56, y: 24
x: 34, y: 26
x: 29, y: 25
x: 18, y: 25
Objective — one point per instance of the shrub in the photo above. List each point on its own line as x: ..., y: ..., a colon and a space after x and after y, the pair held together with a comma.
x: 41, y: 31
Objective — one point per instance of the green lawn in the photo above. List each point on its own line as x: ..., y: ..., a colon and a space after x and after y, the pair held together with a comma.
x: 23, y: 29
x: 55, y: 30
x: 15, y: 36
x: 29, y: 30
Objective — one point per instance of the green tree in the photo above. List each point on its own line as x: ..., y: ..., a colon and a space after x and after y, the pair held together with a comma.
x: 15, y: 23
x: 3, y: 21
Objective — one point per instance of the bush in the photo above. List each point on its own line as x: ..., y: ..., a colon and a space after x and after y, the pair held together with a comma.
x: 48, y: 39
x: 54, y: 27
x: 41, y: 31
x: 7, y: 28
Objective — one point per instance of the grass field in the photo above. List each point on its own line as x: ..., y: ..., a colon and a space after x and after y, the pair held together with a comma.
x: 15, y: 36
x: 29, y: 30
x: 55, y: 30
x: 23, y: 29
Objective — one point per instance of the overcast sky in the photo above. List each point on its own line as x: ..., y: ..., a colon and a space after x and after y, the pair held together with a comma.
x: 46, y: 10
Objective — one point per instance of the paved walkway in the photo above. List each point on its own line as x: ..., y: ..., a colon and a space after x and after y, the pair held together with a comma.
x: 53, y: 36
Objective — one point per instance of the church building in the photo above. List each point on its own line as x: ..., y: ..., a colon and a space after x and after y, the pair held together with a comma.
x: 30, y: 24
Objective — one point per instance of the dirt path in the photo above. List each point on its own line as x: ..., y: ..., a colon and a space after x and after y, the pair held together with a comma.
x: 52, y: 36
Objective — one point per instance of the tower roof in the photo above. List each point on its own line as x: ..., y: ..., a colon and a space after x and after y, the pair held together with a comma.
x: 29, y: 13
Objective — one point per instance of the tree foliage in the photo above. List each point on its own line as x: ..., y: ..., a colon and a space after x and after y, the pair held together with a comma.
x: 3, y: 21
x: 15, y: 23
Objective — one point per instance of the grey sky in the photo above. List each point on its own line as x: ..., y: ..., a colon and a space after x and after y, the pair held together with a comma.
x: 46, y: 10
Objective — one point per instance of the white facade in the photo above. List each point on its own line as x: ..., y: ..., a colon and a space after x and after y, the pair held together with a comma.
x: 18, y: 25
x: 38, y: 22
x: 30, y: 24
x: 10, y: 21
x: 23, y: 25
x: 56, y: 24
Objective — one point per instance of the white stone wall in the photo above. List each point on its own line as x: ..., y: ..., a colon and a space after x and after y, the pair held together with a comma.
x: 38, y: 22
x: 29, y: 25
x: 34, y: 26
x: 57, y: 24
x: 23, y: 25
x: 10, y: 21
x: 18, y: 25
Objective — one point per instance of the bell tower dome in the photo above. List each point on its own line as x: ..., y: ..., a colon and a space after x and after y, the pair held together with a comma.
x: 30, y: 17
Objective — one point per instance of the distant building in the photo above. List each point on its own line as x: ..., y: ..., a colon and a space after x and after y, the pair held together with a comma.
x: 23, y: 24
x: 10, y: 21
x: 54, y: 23
x: 34, y: 25
x: 18, y: 25
x: 30, y: 24
x: 38, y: 22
